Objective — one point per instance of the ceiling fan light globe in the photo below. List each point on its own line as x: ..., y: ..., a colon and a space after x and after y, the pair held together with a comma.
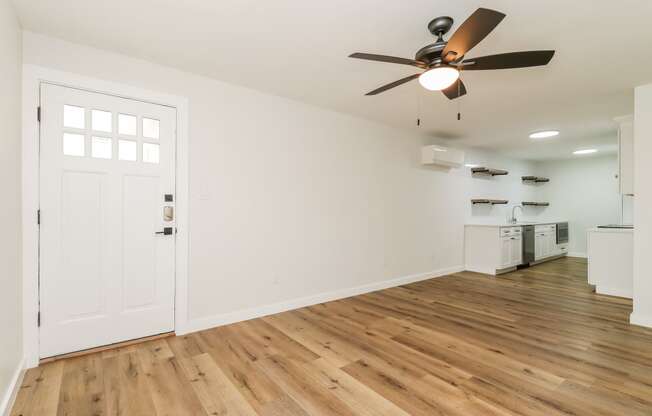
x: 439, y: 78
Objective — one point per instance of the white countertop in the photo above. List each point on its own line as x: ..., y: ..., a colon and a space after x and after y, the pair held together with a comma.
x: 611, y: 230
x: 507, y: 224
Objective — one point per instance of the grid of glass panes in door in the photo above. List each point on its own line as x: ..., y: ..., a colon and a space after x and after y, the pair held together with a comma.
x: 106, y: 135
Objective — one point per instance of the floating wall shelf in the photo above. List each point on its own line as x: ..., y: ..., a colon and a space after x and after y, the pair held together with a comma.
x: 535, y: 204
x: 489, y: 201
x: 488, y: 171
x: 537, y: 179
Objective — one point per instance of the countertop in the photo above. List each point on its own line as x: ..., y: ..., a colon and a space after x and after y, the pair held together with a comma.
x: 611, y: 230
x: 507, y: 224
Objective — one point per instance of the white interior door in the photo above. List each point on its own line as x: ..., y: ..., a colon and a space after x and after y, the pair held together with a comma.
x: 106, y: 166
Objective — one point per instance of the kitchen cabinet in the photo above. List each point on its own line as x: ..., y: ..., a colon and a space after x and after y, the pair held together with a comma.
x: 493, y: 250
x: 545, y: 241
x: 505, y: 251
x: 511, y: 250
x: 538, y: 246
x: 498, y: 248
x: 611, y: 261
x: 626, y: 154
x: 516, y: 250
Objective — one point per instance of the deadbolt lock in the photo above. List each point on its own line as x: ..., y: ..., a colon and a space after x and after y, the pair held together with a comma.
x: 168, y: 213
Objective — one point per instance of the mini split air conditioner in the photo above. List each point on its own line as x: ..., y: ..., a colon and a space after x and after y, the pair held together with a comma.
x: 442, y: 156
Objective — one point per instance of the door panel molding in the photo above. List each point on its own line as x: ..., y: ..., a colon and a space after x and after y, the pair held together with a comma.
x: 33, y: 77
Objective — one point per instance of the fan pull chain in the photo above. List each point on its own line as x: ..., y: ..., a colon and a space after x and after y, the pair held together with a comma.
x: 459, y: 102
x: 418, y: 108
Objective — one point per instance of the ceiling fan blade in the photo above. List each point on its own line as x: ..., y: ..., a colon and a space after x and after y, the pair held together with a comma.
x: 456, y: 90
x: 389, y: 59
x: 393, y: 84
x: 471, y: 32
x: 508, y: 60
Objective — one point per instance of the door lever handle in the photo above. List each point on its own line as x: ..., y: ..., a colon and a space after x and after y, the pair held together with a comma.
x: 166, y: 231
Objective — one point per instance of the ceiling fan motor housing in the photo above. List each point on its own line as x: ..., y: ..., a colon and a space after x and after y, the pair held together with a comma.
x: 431, y: 54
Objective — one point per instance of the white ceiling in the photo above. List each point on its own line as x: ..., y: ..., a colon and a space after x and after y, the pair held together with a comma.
x: 299, y: 48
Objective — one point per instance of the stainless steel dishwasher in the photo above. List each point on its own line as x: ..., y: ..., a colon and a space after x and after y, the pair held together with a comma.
x: 528, y: 244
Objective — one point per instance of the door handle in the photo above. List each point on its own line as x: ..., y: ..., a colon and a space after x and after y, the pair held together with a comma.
x: 166, y: 231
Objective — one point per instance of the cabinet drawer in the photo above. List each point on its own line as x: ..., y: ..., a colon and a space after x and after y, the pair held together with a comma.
x: 509, y: 231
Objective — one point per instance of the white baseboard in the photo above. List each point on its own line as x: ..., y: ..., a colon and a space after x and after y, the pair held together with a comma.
x: 640, y: 320
x: 482, y: 270
x: 200, y: 324
x: 577, y: 254
x: 614, y: 291
x: 10, y: 394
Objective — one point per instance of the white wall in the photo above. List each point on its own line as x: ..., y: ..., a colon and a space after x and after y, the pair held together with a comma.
x: 583, y: 190
x: 509, y: 187
x: 289, y: 200
x: 10, y: 214
x: 642, y: 313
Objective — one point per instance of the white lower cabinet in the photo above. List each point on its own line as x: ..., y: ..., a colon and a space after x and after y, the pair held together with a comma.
x: 538, y: 245
x: 495, y: 249
x: 517, y: 250
x: 505, y: 251
x: 492, y: 250
x: 511, y: 251
x: 545, y: 241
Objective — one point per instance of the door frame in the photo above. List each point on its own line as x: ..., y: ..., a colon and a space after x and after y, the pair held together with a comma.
x: 33, y: 77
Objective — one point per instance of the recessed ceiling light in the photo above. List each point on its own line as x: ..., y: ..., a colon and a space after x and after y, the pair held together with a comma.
x: 472, y: 165
x: 544, y: 134
x: 584, y: 151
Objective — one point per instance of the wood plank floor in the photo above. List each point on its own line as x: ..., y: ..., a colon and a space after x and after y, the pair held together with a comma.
x: 533, y: 342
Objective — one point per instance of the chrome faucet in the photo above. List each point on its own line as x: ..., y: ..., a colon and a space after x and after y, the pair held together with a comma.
x: 512, y: 220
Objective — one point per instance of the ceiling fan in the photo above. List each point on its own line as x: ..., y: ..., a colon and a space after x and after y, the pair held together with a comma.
x: 443, y: 60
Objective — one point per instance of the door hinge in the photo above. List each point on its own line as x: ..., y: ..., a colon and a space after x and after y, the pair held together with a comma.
x: 38, y: 217
x: 38, y: 319
x: 38, y: 113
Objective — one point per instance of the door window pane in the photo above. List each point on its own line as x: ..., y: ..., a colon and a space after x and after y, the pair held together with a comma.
x: 127, y: 125
x: 150, y: 153
x: 101, y: 121
x: 73, y: 144
x: 127, y: 150
x: 150, y: 128
x: 74, y: 117
x: 101, y: 148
